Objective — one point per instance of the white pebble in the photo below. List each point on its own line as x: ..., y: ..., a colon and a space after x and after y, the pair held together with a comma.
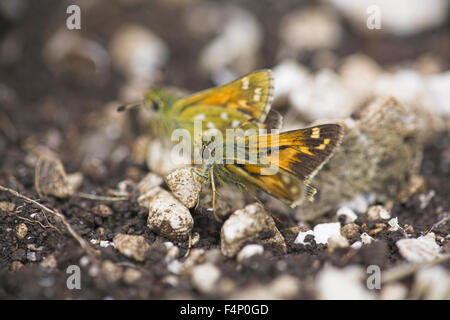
x: 366, y: 239
x: 162, y: 161
x: 438, y: 93
x: 400, y: 17
x: 342, y: 284
x: 204, y: 277
x: 378, y: 212
x: 393, y: 291
x: 171, y: 279
x: 432, y: 284
x: 323, y: 231
x: 131, y: 246
x: 420, y: 250
x: 356, y: 245
x: 246, y: 225
x: 301, y: 237
x: 232, y: 47
x: 288, y: 76
x: 138, y: 52
x: 394, y: 224
x: 324, y: 96
x: 172, y: 251
x: 337, y: 241
x: 310, y: 29
x: 175, y: 266
x: 249, y: 250
x: 349, y: 214
x: 285, y: 287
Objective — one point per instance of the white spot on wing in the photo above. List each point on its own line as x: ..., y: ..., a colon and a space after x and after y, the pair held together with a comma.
x: 245, y: 83
x: 235, y: 123
x: 200, y: 116
x: 257, y: 94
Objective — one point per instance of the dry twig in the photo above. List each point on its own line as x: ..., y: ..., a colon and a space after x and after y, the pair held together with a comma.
x: 101, y: 198
x: 83, y: 243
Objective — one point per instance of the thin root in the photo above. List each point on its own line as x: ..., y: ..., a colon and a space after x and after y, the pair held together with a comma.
x: 101, y: 198
x: 83, y: 243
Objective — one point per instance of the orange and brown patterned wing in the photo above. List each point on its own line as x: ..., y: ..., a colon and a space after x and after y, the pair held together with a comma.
x: 300, y: 153
x: 247, y: 98
x: 287, y: 161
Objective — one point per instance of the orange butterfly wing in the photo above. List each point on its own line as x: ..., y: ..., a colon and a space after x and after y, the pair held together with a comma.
x: 229, y: 106
x: 298, y: 156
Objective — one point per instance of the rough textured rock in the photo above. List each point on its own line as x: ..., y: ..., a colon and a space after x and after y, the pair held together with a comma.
x: 184, y: 186
x: 21, y: 230
x: 378, y: 212
x: 420, y: 250
x: 131, y: 246
x: 250, y: 224
x: 350, y: 230
x: 102, y: 210
x: 167, y: 216
x: 51, y: 178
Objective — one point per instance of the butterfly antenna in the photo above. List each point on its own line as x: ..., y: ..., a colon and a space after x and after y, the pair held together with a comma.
x: 128, y: 107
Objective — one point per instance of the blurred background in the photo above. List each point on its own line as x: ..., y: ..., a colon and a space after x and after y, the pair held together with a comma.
x: 60, y: 88
x: 55, y: 82
x: 324, y: 55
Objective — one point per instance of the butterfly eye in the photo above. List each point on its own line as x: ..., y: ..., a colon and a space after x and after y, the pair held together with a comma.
x: 156, y: 105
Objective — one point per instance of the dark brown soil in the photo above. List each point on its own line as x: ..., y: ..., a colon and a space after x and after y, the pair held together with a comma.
x: 41, y: 103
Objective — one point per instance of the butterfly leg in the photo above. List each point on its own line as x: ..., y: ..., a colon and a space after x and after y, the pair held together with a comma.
x: 189, y: 246
x: 213, y: 188
x: 201, y: 174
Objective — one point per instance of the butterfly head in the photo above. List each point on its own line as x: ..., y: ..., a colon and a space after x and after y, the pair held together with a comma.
x: 156, y: 100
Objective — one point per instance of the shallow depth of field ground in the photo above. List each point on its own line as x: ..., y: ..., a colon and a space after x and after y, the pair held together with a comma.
x: 59, y: 106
